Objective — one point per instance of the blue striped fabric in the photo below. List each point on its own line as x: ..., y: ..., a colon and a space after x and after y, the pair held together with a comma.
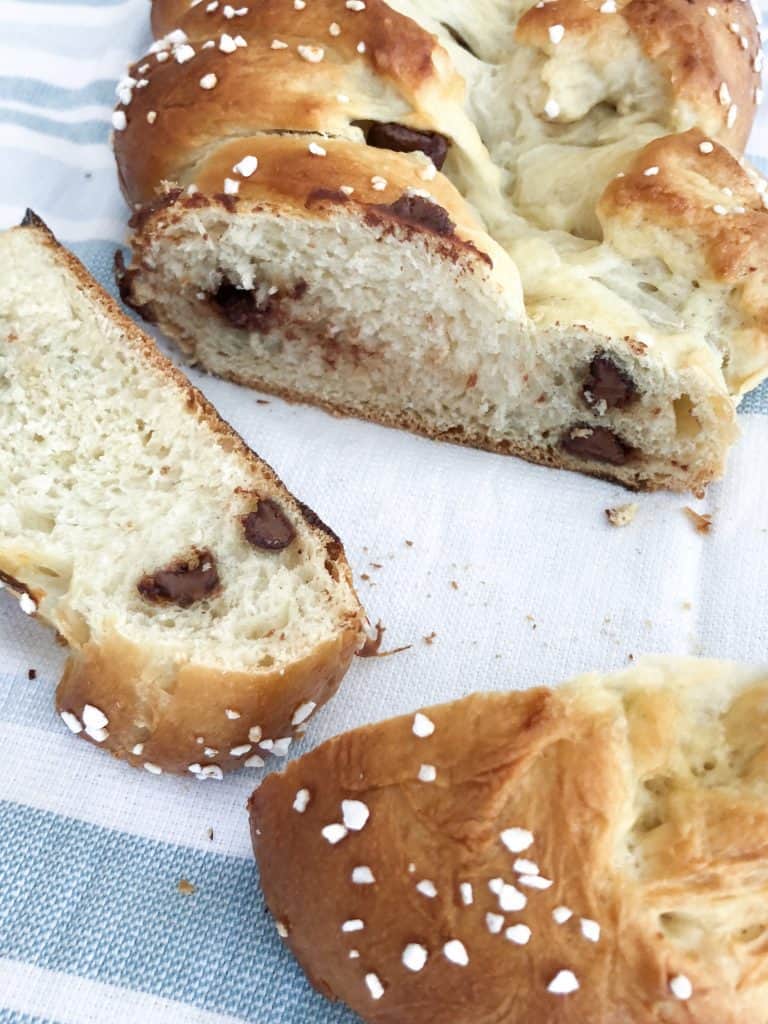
x: 100, y: 904
x: 90, y: 913
x: 57, y: 97
x: 11, y: 1017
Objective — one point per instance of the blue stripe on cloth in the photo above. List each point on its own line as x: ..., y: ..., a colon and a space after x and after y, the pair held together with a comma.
x: 57, y: 97
x: 756, y: 401
x: 12, y: 1017
x: 99, y: 258
x: 100, y: 904
x: 80, y: 131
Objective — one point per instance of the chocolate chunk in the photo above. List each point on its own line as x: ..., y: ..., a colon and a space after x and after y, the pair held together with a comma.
x: 188, y: 579
x: 244, y: 310
x: 227, y: 200
x: 596, y: 443
x: 607, y: 383
x: 329, y: 195
x: 268, y: 527
x: 143, y: 213
x: 397, y: 137
x: 241, y: 307
x: 421, y: 212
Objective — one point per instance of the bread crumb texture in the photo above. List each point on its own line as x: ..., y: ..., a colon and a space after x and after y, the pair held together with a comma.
x: 622, y: 515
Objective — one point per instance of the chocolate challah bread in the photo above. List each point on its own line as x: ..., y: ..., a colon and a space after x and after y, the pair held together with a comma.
x: 525, y: 228
x: 589, y: 855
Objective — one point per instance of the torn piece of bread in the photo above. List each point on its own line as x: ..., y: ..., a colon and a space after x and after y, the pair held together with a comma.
x: 524, y: 227
x: 592, y: 855
x: 207, y: 610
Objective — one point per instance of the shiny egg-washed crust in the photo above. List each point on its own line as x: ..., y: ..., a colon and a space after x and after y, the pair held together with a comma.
x: 704, y: 214
x: 117, y: 675
x: 694, y: 52
x: 417, y: 76
x: 641, y: 797
x: 108, y: 676
x: 396, y: 47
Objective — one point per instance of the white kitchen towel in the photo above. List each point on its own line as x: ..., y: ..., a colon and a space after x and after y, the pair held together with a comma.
x: 497, y: 573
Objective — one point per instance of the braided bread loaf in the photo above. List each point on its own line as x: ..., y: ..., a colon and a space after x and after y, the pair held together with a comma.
x: 589, y: 855
x: 527, y: 229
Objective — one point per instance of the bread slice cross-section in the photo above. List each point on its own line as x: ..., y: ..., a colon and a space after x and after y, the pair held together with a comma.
x: 208, y: 611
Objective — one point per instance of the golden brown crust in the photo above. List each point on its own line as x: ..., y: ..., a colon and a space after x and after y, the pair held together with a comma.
x: 702, y: 214
x: 291, y: 176
x: 395, y: 46
x: 165, y: 713
x: 651, y: 840
x: 704, y: 193
x: 699, y: 53
x: 694, y: 51
x: 182, y: 721
x: 187, y: 120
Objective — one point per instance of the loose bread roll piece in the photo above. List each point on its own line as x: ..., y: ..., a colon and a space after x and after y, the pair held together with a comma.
x: 410, y: 211
x: 207, y: 610
x: 591, y: 855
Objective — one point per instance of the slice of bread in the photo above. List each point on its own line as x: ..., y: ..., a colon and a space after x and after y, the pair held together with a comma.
x: 594, y: 854
x: 208, y: 611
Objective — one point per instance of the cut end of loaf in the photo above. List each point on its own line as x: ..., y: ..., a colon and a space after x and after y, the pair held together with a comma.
x: 185, y: 577
x: 354, y: 328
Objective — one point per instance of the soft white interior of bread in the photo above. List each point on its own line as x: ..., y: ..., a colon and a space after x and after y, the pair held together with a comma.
x: 697, y: 732
x: 610, y: 102
x: 553, y: 171
x: 367, y: 322
x: 106, y: 474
